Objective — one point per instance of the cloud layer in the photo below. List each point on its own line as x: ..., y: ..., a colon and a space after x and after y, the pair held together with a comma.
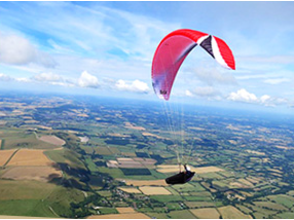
x: 242, y: 95
x: 87, y: 80
x: 134, y: 86
x: 17, y: 50
x: 110, y: 45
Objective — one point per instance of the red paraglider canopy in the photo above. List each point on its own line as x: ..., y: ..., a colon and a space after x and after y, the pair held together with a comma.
x: 174, y: 48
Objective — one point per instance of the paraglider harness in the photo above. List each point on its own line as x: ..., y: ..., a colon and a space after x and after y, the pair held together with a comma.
x: 182, y: 177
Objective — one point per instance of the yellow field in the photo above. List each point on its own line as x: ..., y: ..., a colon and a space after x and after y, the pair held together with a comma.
x: 30, y: 157
x: 233, y: 142
x: 275, y: 170
x: 152, y: 135
x: 154, y: 190
x: 44, y: 127
x: 119, y: 135
x: 255, y: 152
x: 31, y: 122
x: 125, y: 210
x: 83, y: 115
x: 284, y: 147
x: 246, y: 182
x: 5, y: 155
x: 196, y: 128
x: 231, y: 127
x: 170, y: 168
x: 130, y: 126
x: 205, y: 213
x: 43, y: 174
x: 230, y: 212
x: 130, y: 190
x: 210, y: 169
x: 241, y: 184
x: 253, y: 180
x: 27, y: 117
x: 198, y: 170
x: 146, y: 182
x: 52, y: 139
x: 120, y: 216
x: 129, y: 154
x: 134, y: 162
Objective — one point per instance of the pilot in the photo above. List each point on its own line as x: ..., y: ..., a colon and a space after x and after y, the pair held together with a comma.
x: 163, y: 92
x: 182, y: 177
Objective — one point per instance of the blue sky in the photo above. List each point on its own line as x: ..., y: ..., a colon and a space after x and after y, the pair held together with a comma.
x: 106, y: 48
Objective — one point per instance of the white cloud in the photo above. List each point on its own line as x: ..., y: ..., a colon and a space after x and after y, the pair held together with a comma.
x: 265, y: 98
x: 65, y: 84
x: 213, y: 76
x: 23, y: 79
x: 4, y: 77
x: 134, y: 86
x: 17, y: 50
x: 51, y: 78
x: 188, y: 93
x: 47, y: 77
x: 207, y: 91
x: 276, y: 81
x: 252, y: 76
x: 269, y: 59
x: 243, y: 96
x: 87, y: 80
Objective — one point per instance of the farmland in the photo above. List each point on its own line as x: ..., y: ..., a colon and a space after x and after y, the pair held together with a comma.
x: 146, y: 182
x: 155, y: 190
x: 5, y: 156
x: 29, y: 157
x: 209, y: 213
x: 44, y: 174
x: 109, y: 159
x: 51, y: 139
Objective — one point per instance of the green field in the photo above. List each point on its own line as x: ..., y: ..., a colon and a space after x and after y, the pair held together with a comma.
x: 244, y: 209
x: 285, y: 215
x: 65, y: 156
x: 196, y: 198
x: 31, y: 198
x: 287, y: 201
x: 24, y: 189
x: 183, y: 214
x: 174, y: 206
x: 271, y: 205
x: 166, y: 198
x: 158, y: 215
x: 107, y: 211
x: 193, y: 205
x: 34, y: 208
x: 24, y: 140
x: 216, y: 138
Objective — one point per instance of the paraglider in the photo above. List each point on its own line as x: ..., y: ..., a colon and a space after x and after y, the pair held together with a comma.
x: 182, y: 177
x: 174, y: 48
x: 168, y: 58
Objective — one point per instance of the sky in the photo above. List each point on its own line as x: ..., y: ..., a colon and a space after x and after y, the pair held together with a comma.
x: 106, y: 49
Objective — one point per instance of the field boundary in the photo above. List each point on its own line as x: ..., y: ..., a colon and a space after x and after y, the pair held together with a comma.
x: 10, y: 157
x: 2, y: 144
